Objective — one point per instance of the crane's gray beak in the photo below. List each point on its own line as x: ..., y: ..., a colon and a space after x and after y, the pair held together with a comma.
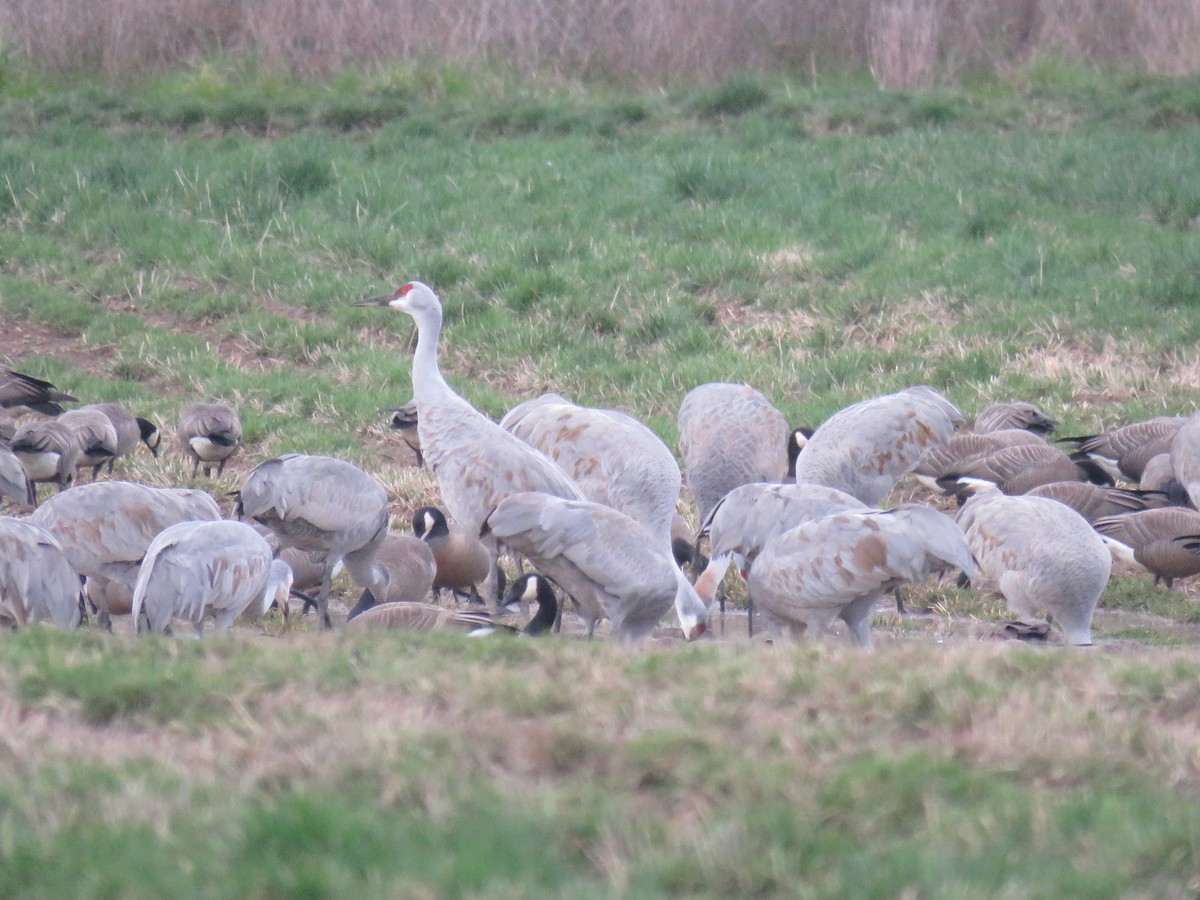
x: 375, y: 301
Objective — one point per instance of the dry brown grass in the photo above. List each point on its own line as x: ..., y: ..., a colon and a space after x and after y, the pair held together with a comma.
x: 906, y: 43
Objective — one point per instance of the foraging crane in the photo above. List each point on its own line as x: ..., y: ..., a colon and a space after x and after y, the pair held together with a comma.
x: 475, y: 461
x: 209, y: 433
x: 193, y: 567
x: 14, y: 480
x: 1185, y: 458
x: 606, y: 561
x: 865, y: 448
x: 613, y: 458
x: 37, y: 583
x: 48, y: 450
x: 1041, y: 555
x: 105, y: 527
x: 318, y: 503
x: 730, y: 435
x: 838, y: 566
x: 21, y: 391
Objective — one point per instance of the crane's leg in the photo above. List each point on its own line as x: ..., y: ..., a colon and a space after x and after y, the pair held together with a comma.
x: 323, y: 598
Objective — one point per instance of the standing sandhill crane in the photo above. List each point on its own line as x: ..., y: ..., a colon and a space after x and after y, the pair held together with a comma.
x: 96, y: 436
x: 21, y: 391
x: 321, y: 504
x: 461, y: 561
x: 37, y: 583
x: 404, y: 419
x: 867, y: 447
x: 730, y: 435
x: 1042, y: 556
x: 476, y: 462
x: 1016, y: 470
x: 1185, y: 458
x: 615, y: 459
x: 1014, y: 414
x: 751, y: 515
x: 192, y: 567
x: 130, y: 430
x: 410, y: 566
x: 14, y: 480
x: 605, y: 560
x: 105, y: 528
x: 1123, y: 452
x: 209, y: 433
x: 48, y: 450
x: 837, y: 567
x: 1163, y: 541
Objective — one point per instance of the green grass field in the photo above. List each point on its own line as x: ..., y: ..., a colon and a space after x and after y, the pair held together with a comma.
x: 205, y: 234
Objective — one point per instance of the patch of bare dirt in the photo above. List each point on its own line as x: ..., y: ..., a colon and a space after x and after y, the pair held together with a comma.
x: 23, y: 338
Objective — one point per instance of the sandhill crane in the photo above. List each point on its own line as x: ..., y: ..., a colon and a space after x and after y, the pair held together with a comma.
x: 606, y: 561
x: 1123, y: 452
x: 1016, y: 470
x: 37, y: 583
x: 1042, y: 556
x: 1163, y: 541
x: 946, y: 459
x: 867, y: 447
x: 730, y: 435
x: 48, y: 450
x: 1094, y: 501
x: 404, y: 419
x: 1185, y: 458
x: 105, y: 527
x: 475, y: 461
x: 130, y: 430
x: 410, y: 566
x: 837, y: 567
x: 1014, y: 414
x: 95, y: 434
x: 21, y: 391
x: 209, y: 433
x: 326, y: 505
x: 14, y: 480
x: 613, y: 458
x: 462, y: 561
x: 751, y: 515
x: 193, y: 567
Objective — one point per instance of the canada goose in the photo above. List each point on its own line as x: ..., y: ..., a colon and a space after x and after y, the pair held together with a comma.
x: 1159, y: 477
x: 410, y: 616
x: 867, y: 447
x: 1123, y: 452
x: 209, y: 433
x: 105, y: 527
x: 37, y: 583
x: 462, y: 561
x: 410, y: 567
x: 48, y: 450
x: 96, y: 436
x: 1163, y: 541
x: 404, y: 419
x: 1094, y: 501
x: 1016, y: 470
x: 530, y: 588
x: 1185, y: 458
x: 1041, y: 555
x: 1014, y: 414
x: 797, y: 441
x: 607, y: 562
x: 729, y: 435
x: 476, y: 462
x: 837, y: 567
x: 14, y: 480
x: 21, y: 391
x: 193, y: 567
x: 946, y: 459
x: 751, y: 515
x: 130, y: 430
x: 683, y: 546
x: 105, y: 593
x: 318, y: 503
x: 613, y: 458
x: 8, y: 426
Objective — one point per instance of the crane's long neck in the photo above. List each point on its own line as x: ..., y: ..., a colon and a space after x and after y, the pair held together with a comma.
x: 426, y: 376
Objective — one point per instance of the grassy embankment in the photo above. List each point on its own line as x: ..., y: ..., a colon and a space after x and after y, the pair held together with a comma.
x: 204, y: 235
